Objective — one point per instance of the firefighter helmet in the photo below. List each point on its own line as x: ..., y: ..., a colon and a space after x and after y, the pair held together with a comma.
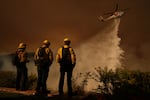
x: 66, y: 39
x: 46, y: 42
x: 22, y: 45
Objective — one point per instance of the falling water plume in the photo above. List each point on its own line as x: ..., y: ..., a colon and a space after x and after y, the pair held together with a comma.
x: 101, y: 50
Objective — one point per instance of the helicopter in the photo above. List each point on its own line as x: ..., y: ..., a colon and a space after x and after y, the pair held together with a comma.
x: 114, y: 14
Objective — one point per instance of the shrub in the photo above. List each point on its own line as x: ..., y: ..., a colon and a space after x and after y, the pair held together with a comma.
x: 121, y: 82
x: 32, y: 80
x: 8, y: 79
x: 79, y: 87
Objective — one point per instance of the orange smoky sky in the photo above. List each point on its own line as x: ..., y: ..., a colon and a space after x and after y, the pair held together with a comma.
x: 32, y: 21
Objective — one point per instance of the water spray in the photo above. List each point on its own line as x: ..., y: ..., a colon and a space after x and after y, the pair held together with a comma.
x: 102, y: 50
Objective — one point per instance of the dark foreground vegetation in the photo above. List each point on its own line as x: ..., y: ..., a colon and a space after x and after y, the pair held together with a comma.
x: 114, y: 85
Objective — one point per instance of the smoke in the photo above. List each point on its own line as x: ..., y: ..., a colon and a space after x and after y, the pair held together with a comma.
x: 6, y: 64
x: 138, y: 58
x: 102, y: 50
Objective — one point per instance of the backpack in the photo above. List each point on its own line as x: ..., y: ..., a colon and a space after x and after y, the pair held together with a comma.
x: 22, y: 56
x: 66, y: 56
x: 41, y: 53
x: 19, y: 57
x: 43, y: 57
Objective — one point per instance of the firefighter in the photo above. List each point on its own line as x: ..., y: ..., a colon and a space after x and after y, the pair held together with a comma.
x: 22, y: 73
x: 43, y: 58
x: 67, y: 59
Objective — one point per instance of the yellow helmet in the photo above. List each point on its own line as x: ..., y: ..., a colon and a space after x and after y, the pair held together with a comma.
x: 46, y: 42
x: 22, y: 45
x: 66, y: 39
